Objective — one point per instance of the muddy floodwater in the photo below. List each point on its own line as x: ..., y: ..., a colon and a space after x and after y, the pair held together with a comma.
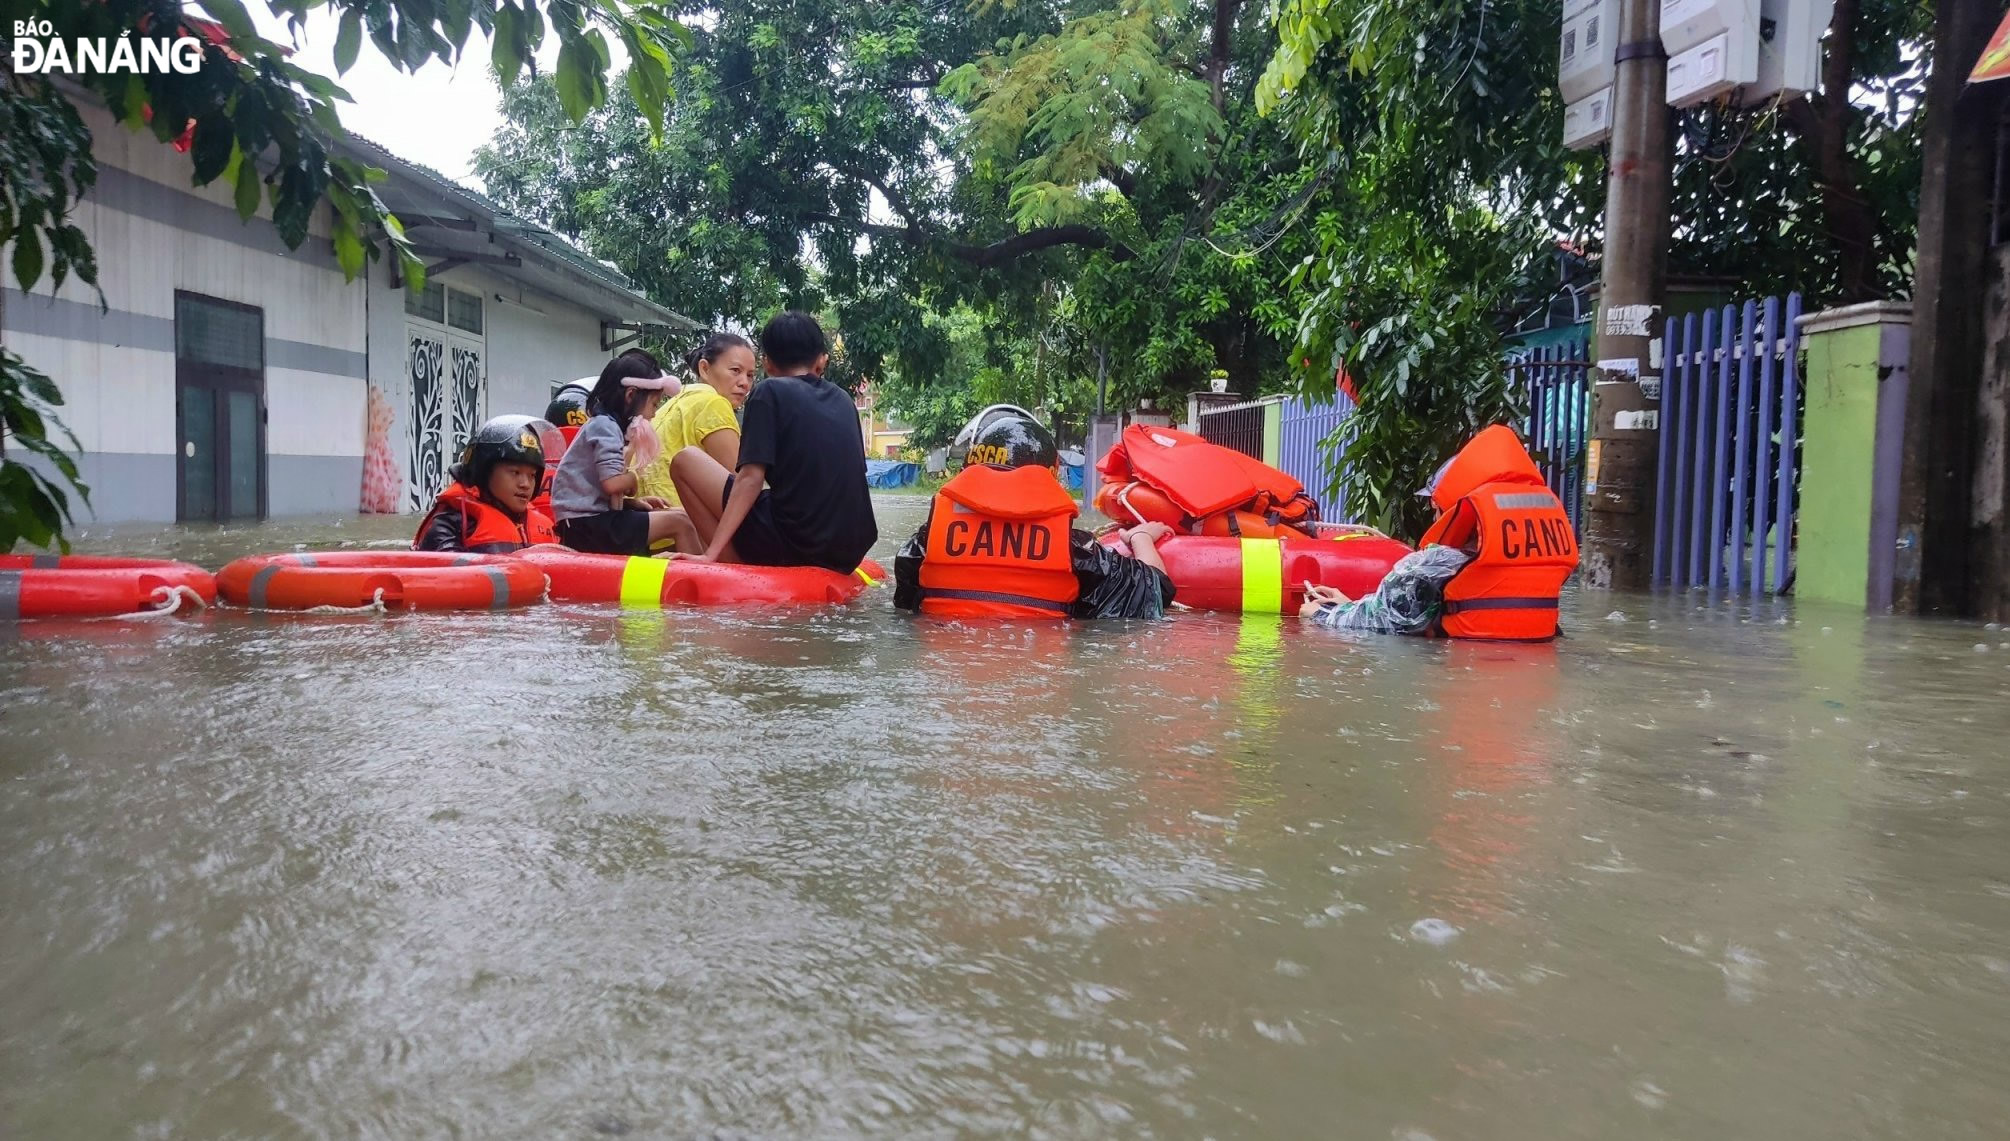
x: 1700, y: 871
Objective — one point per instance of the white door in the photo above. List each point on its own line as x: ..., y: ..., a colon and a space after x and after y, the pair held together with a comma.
x: 449, y: 386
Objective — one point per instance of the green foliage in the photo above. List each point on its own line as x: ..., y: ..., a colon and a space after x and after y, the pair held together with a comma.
x: 45, y: 167
x: 265, y: 126
x: 987, y: 361
x: 1084, y: 175
x: 33, y: 507
x: 660, y: 218
x: 1455, y: 191
x: 1820, y: 195
x: 1059, y: 169
x: 1080, y: 111
x: 1450, y: 176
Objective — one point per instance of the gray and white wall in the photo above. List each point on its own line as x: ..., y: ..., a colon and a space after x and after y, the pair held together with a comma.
x: 154, y: 234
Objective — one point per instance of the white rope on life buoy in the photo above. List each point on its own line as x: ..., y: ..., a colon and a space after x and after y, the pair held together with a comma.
x: 374, y: 606
x: 166, y: 601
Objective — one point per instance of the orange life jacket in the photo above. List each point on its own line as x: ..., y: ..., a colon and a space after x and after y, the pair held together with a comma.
x: 486, y: 528
x: 543, y: 501
x: 1494, y: 502
x: 998, y: 546
x: 1191, y: 485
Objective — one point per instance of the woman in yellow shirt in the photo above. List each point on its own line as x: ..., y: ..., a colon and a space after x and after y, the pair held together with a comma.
x: 701, y: 416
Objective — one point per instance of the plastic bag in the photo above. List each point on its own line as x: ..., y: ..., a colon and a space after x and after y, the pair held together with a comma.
x: 1409, y: 599
x: 1114, y: 585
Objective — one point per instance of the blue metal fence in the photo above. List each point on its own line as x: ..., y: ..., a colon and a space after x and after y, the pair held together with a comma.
x: 1302, y: 427
x: 1558, y: 425
x: 1728, y: 481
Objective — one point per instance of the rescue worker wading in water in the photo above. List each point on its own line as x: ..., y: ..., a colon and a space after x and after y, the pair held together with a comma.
x: 487, y: 509
x: 1490, y: 567
x: 998, y: 541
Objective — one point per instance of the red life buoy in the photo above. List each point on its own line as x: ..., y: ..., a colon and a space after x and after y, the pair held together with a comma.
x: 1135, y: 502
x: 654, y: 583
x: 74, y: 586
x: 1267, y: 575
x: 397, y: 580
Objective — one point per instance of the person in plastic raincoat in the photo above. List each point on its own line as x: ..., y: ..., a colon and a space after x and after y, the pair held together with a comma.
x: 1489, y: 568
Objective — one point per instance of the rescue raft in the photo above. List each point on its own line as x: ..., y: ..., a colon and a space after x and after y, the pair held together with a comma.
x: 1268, y: 576
x: 650, y: 584
x: 394, y: 580
x: 83, y: 586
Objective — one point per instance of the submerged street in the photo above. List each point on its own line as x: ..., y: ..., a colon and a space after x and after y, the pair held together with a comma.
x: 1692, y: 871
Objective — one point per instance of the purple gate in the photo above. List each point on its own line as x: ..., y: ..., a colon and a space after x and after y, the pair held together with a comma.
x: 1727, y: 487
x: 1306, y: 448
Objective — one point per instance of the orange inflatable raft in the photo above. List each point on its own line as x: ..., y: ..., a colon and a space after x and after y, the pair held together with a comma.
x: 395, y: 580
x: 1268, y: 576
x: 651, y: 584
x: 82, y: 586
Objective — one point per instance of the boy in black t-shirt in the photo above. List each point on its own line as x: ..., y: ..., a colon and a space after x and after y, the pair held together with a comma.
x: 801, y: 438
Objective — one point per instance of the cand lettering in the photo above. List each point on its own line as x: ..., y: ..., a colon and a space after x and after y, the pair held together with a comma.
x: 1019, y: 542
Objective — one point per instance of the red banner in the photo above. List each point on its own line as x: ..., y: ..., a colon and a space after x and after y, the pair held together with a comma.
x: 1995, y: 61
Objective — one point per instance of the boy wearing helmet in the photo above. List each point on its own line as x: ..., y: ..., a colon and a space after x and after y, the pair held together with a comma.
x: 487, y: 509
x: 999, y: 542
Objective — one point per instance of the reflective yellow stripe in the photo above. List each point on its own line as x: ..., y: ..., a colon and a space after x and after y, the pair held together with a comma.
x: 1262, y: 576
x: 642, y: 584
x: 865, y: 578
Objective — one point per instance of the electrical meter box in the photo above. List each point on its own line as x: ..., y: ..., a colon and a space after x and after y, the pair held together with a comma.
x: 1585, y: 63
x: 1588, y: 122
x: 1790, y: 48
x: 1691, y: 23
x: 1713, y: 47
x: 1711, y: 68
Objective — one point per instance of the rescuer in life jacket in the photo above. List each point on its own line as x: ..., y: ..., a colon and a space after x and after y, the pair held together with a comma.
x: 487, y: 508
x: 1490, y: 567
x: 999, y: 543
x: 567, y: 412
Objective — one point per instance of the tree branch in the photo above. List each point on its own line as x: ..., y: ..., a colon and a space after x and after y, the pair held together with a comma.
x: 1125, y: 182
x: 1217, y: 64
x: 995, y: 253
x: 1822, y: 122
x: 900, y: 205
x: 926, y: 82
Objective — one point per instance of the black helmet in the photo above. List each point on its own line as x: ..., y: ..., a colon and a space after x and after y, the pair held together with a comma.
x: 505, y: 440
x: 1005, y: 435
x: 568, y: 404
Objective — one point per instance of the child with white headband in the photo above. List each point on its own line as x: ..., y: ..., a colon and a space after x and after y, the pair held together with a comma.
x: 593, y: 493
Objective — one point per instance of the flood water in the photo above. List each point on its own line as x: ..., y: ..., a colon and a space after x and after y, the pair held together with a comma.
x: 1695, y: 872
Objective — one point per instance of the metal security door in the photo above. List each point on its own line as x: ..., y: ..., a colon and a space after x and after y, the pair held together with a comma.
x: 426, y: 371
x: 219, y: 410
x: 449, y: 385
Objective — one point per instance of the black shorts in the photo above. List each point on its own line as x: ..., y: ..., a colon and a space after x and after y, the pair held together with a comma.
x: 758, y: 541
x: 608, y: 533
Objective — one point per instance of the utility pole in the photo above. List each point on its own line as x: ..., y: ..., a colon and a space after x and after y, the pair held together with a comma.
x: 1618, y: 536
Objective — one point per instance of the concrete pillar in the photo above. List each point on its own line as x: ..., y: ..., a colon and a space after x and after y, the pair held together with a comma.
x: 1852, y: 441
x: 1273, y: 430
x: 1104, y: 432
